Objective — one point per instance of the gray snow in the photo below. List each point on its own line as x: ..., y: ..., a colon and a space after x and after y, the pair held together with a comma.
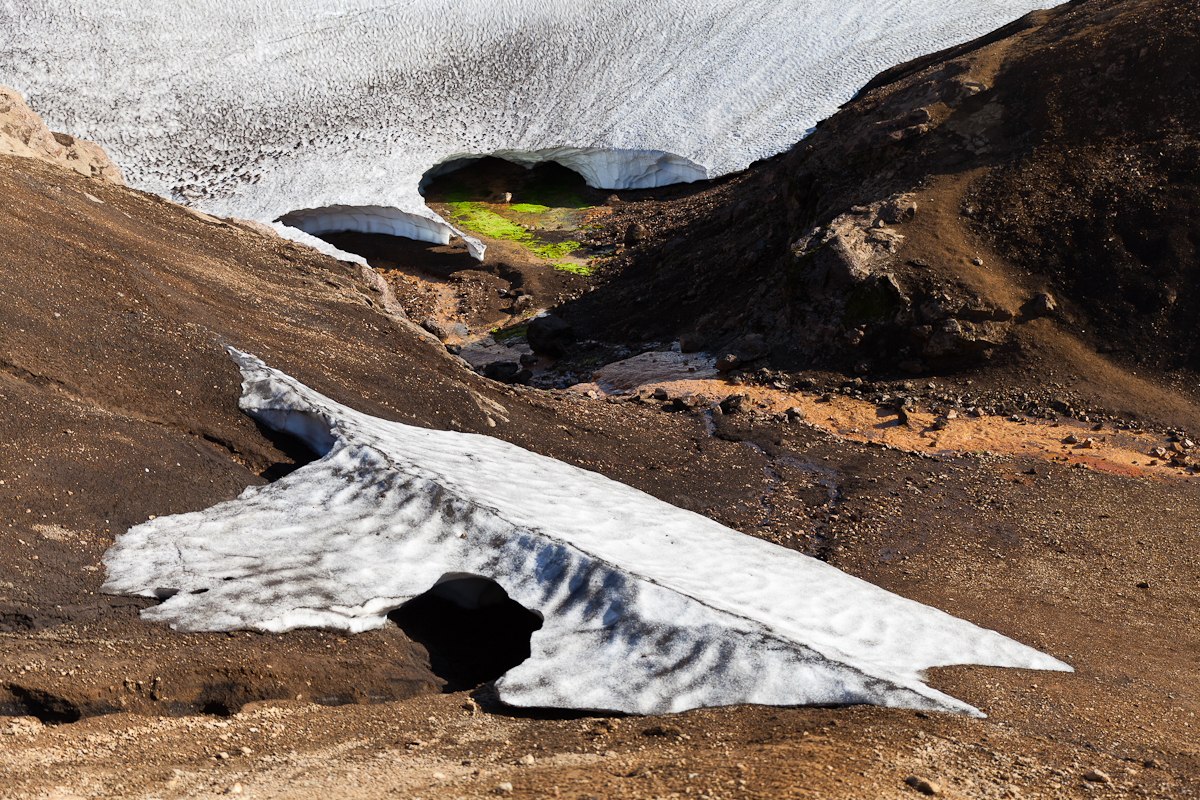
x: 647, y: 608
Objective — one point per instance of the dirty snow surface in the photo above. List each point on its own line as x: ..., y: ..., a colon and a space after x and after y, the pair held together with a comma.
x: 334, y: 109
x: 648, y: 608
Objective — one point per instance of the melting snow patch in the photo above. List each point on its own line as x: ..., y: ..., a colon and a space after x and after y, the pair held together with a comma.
x: 256, y: 108
x: 647, y: 608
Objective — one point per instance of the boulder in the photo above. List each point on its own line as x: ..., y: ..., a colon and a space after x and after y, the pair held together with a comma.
x: 22, y: 133
x: 550, y: 336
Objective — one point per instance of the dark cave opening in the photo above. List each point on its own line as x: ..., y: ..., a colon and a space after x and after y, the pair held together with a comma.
x: 473, y: 630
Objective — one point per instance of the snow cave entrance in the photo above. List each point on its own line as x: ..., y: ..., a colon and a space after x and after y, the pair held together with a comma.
x: 473, y: 630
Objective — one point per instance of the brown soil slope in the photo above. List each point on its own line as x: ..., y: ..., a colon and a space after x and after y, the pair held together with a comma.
x: 118, y: 403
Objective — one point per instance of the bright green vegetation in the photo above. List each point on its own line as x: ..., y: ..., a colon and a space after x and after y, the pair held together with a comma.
x: 509, y: 333
x: 472, y: 217
x: 488, y: 223
x: 549, y: 251
x: 578, y: 269
x: 528, y: 208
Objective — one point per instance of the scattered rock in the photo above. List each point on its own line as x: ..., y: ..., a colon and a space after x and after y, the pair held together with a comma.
x: 663, y: 730
x: 528, y: 359
x: 1143, y: 584
x: 454, y: 349
x: 1096, y: 776
x: 502, y: 371
x: 795, y: 414
x: 922, y: 785
x: 1041, y: 305
x: 528, y: 759
x: 1090, y: 443
x: 550, y: 335
x: 504, y: 787
x: 1070, y: 438
x: 734, y: 403
x: 727, y: 362
x: 635, y: 234
x: 898, y: 209
x: 470, y: 706
x: 23, y: 133
x: 436, y: 328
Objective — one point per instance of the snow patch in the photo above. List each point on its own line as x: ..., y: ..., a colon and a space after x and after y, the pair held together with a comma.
x: 255, y: 108
x: 648, y: 608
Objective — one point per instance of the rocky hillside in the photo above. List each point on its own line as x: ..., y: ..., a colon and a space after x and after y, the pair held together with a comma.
x: 1024, y: 203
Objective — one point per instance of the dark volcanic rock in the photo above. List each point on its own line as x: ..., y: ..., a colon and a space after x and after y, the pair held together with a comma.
x: 550, y: 335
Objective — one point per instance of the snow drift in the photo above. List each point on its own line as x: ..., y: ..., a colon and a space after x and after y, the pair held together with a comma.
x: 647, y: 608
x: 258, y: 108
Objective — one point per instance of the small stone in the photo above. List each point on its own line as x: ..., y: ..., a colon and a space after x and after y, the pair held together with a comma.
x: 977, y: 261
x: 663, y: 730
x: 1188, y: 444
x: 1070, y: 438
x: 635, y: 234
x: 795, y: 414
x: 504, y: 787
x: 898, y: 209
x: 502, y: 371
x: 1090, y: 443
x: 528, y: 759
x: 235, y: 789
x: 1096, y: 776
x: 727, y: 362
x: 734, y: 403
x: 470, y: 706
x: 222, y: 755
x: 1159, y: 452
x: 436, y: 328
x: 922, y: 785
x: 1042, y: 304
x: 1143, y: 584
x: 454, y: 349
x: 528, y: 359
x: 507, y: 197
x: 246, y: 751
x: 1153, y: 763
x: 438, y: 776
x: 550, y: 335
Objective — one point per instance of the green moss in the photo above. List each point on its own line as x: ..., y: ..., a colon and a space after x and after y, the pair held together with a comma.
x: 509, y: 333
x: 528, y: 208
x: 549, y: 251
x: 487, y: 223
x: 578, y: 269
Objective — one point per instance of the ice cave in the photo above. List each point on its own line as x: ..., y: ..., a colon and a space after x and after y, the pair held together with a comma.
x: 630, y: 604
x: 328, y: 114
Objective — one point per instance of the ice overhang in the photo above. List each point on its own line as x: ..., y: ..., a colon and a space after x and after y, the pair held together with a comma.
x: 257, y: 108
x: 647, y: 608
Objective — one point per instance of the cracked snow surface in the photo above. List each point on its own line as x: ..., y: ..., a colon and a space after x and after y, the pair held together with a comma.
x: 331, y: 111
x: 648, y: 608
